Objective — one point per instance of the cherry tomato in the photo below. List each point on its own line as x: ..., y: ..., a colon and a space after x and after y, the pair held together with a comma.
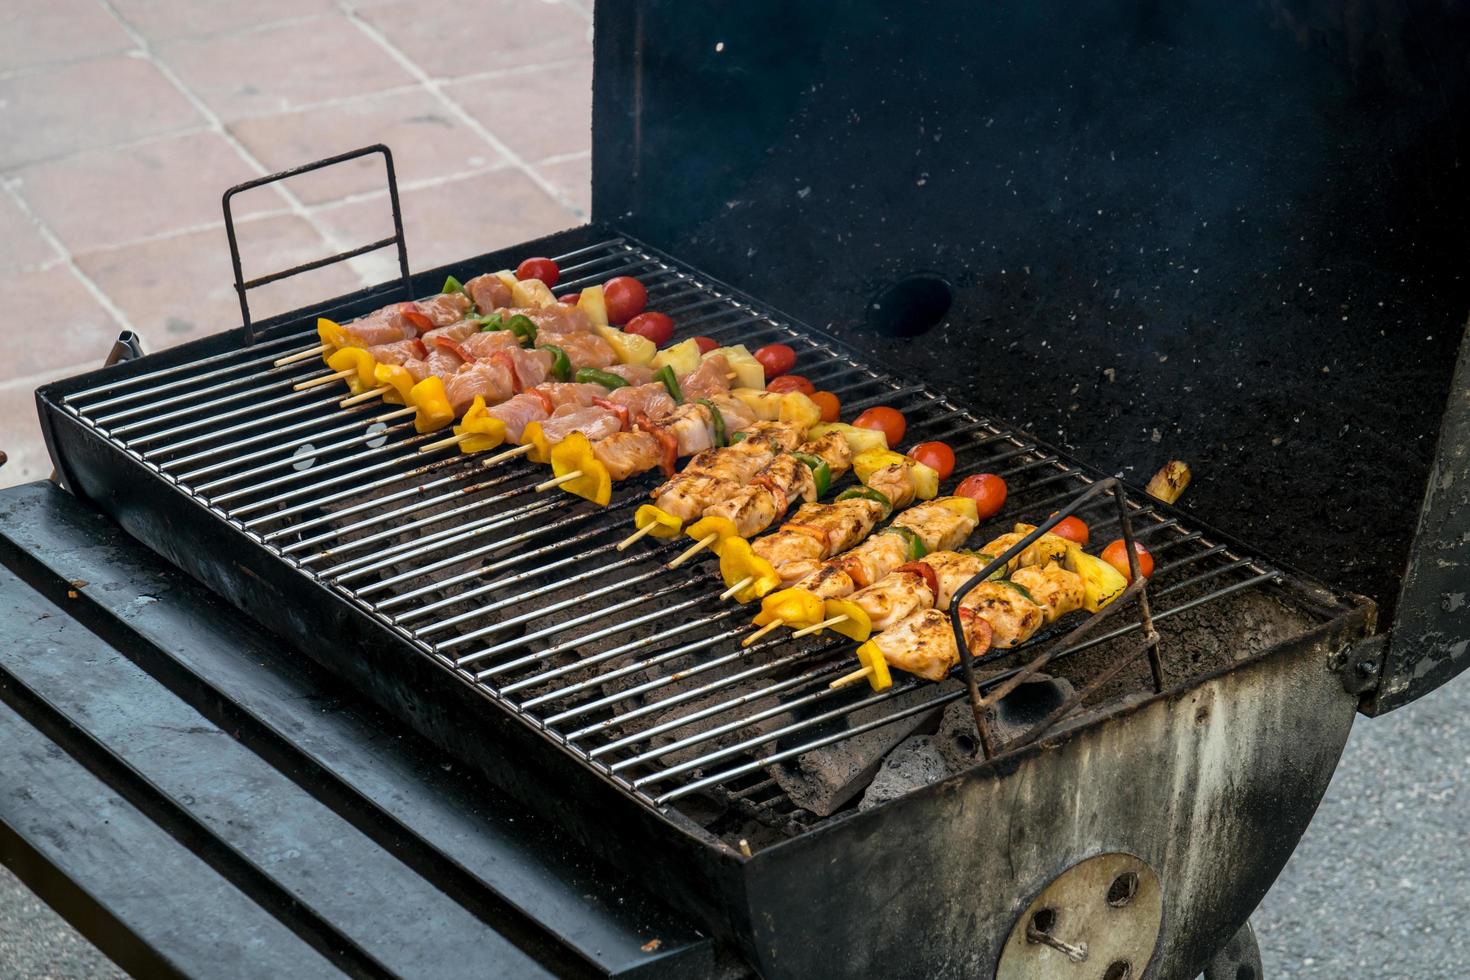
x: 657, y: 327
x: 571, y: 299
x: 1116, y: 554
x: 539, y: 268
x: 830, y: 406
x: 777, y: 359
x: 706, y: 344
x: 935, y: 455
x: 625, y: 298
x: 792, y: 382
x: 987, y: 490
x: 1071, y: 528
x: 889, y: 421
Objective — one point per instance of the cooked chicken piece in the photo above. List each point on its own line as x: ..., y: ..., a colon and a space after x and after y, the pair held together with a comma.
x: 828, y: 528
x: 652, y: 400
x: 1047, y: 548
x: 939, y: 527
x: 922, y: 644
x: 754, y: 507
x: 1053, y: 588
x: 829, y: 580
x: 831, y: 449
x: 953, y: 569
x: 1012, y: 616
x: 488, y: 292
x: 895, y: 483
x: 895, y: 596
x: 687, y: 499
x: 627, y: 453
x: 873, y: 558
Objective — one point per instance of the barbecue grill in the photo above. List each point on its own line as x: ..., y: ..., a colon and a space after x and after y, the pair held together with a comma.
x: 938, y: 221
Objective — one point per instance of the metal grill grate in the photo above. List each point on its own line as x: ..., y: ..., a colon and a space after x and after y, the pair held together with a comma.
x: 636, y: 668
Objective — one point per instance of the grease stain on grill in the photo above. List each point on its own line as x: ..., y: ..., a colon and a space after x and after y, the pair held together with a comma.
x: 912, y: 306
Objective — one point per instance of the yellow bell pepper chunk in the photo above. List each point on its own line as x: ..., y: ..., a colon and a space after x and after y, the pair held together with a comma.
x: 796, y: 608
x: 355, y: 359
x: 333, y: 336
x: 485, y: 431
x: 533, y: 436
x: 1101, y: 582
x: 574, y: 455
x: 398, y: 381
x: 870, y: 656
x: 665, y: 525
x: 857, y: 626
x: 738, y: 563
x: 432, y: 402
x: 722, y: 527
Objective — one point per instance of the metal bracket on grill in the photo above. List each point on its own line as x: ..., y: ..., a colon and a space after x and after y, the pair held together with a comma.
x: 1138, y: 587
x: 242, y: 286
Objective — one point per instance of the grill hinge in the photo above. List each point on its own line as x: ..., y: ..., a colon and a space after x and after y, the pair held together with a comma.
x: 1360, y: 665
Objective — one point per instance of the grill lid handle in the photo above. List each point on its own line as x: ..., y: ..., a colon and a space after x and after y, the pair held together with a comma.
x: 242, y: 285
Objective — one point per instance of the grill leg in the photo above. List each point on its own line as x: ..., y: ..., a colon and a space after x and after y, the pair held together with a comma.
x: 1239, y: 960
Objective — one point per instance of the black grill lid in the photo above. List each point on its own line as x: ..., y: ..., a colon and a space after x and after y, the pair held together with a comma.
x: 1232, y: 233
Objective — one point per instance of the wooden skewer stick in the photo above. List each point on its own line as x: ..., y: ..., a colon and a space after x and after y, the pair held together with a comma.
x: 762, y: 632
x: 737, y: 587
x: 301, y: 355
x: 510, y: 454
x: 325, y: 379
x: 694, y: 549
x: 564, y: 478
x: 365, y: 396
x: 445, y: 443
x: 642, y: 532
x: 816, y: 627
x: 851, y: 678
x: 390, y: 416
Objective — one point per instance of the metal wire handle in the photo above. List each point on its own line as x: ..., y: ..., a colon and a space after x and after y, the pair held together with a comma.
x: 242, y: 286
x: 1138, y: 586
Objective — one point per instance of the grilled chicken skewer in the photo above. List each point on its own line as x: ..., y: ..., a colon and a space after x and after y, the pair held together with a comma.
x: 929, y: 582
x: 732, y: 505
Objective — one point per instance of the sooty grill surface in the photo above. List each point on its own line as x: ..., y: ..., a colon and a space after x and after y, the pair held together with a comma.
x: 636, y: 668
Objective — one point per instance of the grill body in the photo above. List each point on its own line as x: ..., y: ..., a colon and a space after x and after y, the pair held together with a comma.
x: 1218, y: 748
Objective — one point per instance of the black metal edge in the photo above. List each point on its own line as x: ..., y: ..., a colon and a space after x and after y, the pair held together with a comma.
x: 496, y: 909
x: 242, y: 287
x: 617, y: 74
x: 1429, y: 639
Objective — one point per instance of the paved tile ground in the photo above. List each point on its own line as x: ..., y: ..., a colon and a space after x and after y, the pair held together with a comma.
x: 124, y: 120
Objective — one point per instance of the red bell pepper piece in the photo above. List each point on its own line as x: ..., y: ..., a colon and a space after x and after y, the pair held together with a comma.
x: 503, y: 358
x: 924, y: 571
x: 411, y: 313
x: 445, y: 343
x: 621, y: 411
x: 668, y: 445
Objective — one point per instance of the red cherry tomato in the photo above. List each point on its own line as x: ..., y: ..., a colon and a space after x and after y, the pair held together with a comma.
x: 792, y: 382
x: 935, y: 455
x: 889, y: 421
x: 1071, y: 528
x: 657, y: 327
x: 830, y: 406
x: 571, y: 299
x: 777, y: 359
x: 706, y: 344
x: 987, y: 490
x: 625, y: 298
x: 539, y: 268
x: 1116, y: 554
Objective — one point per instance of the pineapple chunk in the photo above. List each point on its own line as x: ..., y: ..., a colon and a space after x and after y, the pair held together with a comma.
x: 531, y: 294
x: 1101, y: 582
x: 508, y: 280
x: 764, y: 405
x: 592, y: 304
x: 629, y: 347
x: 683, y: 357
x: 748, y: 371
x: 798, y: 408
x: 858, y: 440
x: 925, y: 479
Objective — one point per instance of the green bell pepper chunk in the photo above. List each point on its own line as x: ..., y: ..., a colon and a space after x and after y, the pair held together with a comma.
x: 868, y: 493
x: 592, y: 376
x: 1025, y: 592
x: 666, y: 375
x: 561, y: 365
x: 916, y: 549
x: 821, y: 472
x: 451, y: 285
x: 721, y: 439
